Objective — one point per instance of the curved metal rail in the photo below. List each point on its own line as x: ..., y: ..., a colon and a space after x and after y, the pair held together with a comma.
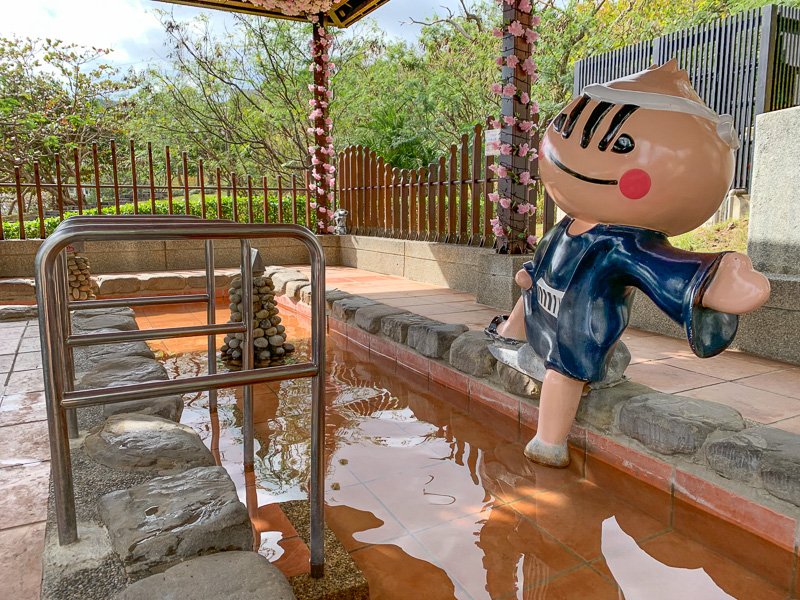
x: 58, y: 341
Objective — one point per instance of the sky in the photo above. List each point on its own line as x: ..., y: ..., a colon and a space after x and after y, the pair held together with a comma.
x: 132, y: 30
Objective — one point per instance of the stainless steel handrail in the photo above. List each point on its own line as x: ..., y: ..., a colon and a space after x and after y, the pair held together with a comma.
x: 58, y: 341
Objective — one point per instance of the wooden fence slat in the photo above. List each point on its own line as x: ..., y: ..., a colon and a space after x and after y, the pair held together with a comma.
x: 167, y: 179
x: 265, y: 199
x: 441, y: 224
x: 475, y: 196
x: 152, y: 178
x: 185, y: 159
x: 234, y: 198
x: 488, y: 206
x: 201, y: 178
x: 250, y: 211
x: 430, y: 232
x: 96, y: 164
x: 20, y: 204
x: 307, y: 182
x: 115, y: 174
x: 396, y: 210
x: 134, y: 187
x: 422, y: 211
x: 280, y: 199
x: 405, y: 185
x: 39, y: 202
x: 413, y: 193
x: 389, y: 200
x: 294, y: 198
x: 463, y: 201
x: 452, y: 192
x: 218, y: 175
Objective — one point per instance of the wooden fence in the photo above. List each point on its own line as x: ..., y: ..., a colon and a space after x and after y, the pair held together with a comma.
x: 743, y: 65
x: 447, y: 201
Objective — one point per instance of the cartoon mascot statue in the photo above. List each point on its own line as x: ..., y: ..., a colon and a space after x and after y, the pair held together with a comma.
x: 630, y: 162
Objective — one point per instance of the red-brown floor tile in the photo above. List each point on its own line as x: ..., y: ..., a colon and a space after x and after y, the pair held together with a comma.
x: 755, y: 404
x: 295, y: 559
x: 509, y: 475
x: 412, y: 360
x: 574, y: 516
x: 792, y: 425
x: 657, y: 348
x: 404, y: 570
x: 498, y: 421
x: 22, y: 382
x: 357, y: 335
x: 449, y: 377
x: 270, y: 517
x: 766, y: 560
x: 496, y: 553
x: 583, y: 582
x: 359, y: 519
x: 727, y: 366
x: 21, y: 567
x: 668, y: 379
x: 494, y: 398
x: 426, y: 497
x: 27, y: 361
x: 784, y: 383
x: 474, y: 432
x: 22, y: 408
x: 26, y: 443
x: 426, y: 405
x: 23, y: 494
x: 384, y: 347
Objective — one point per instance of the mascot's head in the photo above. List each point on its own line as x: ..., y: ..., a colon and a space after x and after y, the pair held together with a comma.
x: 642, y: 150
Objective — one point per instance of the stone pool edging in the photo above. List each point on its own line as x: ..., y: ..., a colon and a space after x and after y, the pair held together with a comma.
x: 684, y: 474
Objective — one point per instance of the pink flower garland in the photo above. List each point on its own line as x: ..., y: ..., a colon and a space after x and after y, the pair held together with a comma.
x: 294, y: 8
x: 509, y: 90
x: 323, y: 180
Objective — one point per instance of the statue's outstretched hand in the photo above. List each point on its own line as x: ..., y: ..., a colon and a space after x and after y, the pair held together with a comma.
x: 736, y: 288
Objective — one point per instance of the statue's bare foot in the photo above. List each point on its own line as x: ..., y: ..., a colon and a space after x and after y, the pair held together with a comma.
x: 547, y: 454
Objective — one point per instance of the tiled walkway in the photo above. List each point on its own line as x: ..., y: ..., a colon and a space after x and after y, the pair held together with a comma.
x: 24, y: 461
x: 763, y: 390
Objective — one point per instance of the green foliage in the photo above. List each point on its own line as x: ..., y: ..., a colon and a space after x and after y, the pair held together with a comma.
x: 11, y: 229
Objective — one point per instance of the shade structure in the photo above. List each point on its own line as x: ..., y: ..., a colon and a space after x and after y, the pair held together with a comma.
x: 343, y: 13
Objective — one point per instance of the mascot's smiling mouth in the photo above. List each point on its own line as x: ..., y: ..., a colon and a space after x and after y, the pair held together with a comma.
x: 577, y: 175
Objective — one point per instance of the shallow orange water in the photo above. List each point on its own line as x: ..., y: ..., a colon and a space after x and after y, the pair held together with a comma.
x: 435, y: 503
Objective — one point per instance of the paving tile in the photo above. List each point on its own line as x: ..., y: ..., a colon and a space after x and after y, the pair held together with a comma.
x: 657, y: 348
x: 30, y: 344
x: 792, y: 425
x: 22, y: 408
x: 27, y: 361
x: 26, y: 443
x: 574, y: 516
x: 727, y: 366
x: 668, y: 379
x: 583, y: 582
x: 425, y: 497
x: 404, y: 569
x: 359, y: 519
x: 296, y: 557
x: 20, y: 382
x: 755, y: 404
x: 9, y: 343
x: 23, y: 494
x: 6, y: 361
x: 784, y: 383
x: 496, y: 553
x: 21, y: 567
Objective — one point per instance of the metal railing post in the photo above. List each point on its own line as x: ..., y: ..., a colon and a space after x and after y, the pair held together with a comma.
x: 211, y: 313
x: 247, y: 353
x: 66, y: 362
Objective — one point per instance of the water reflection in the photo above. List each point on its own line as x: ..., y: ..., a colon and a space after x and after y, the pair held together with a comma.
x: 431, y: 502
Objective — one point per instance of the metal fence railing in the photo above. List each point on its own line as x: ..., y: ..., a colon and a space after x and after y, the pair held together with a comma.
x: 58, y: 341
x: 744, y: 65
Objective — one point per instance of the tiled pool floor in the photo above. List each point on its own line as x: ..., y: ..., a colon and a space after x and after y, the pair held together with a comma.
x: 434, y: 503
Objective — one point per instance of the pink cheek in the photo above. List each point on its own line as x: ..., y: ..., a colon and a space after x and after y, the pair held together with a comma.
x: 635, y: 184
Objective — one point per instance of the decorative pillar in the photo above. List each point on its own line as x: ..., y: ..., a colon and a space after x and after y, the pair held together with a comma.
x: 517, y: 147
x: 322, y: 170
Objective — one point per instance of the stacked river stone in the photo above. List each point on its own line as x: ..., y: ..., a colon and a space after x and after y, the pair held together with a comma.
x: 269, y: 336
x: 79, y: 276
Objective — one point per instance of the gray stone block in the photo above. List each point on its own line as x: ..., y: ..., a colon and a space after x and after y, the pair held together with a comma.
x: 135, y: 442
x: 168, y: 407
x: 674, y: 424
x: 434, y: 339
x: 17, y: 289
x: 774, y: 233
x: 210, y: 578
x: 599, y: 406
x: 123, y: 371
x: 369, y: 318
x: 762, y: 455
x: 161, y: 282
x: 118, y: 284
x: 294, y: 288
x: 85, y: 321
x: 516, y: 382
x: 332, y: 296
x: 470, y: 354
x: 173, y: 518
x: 282, y: 278
x: 345, y: 309
x: 396, y: 326
x: 18, y: 313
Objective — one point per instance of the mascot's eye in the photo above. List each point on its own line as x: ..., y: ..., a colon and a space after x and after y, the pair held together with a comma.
x: 623, y: 145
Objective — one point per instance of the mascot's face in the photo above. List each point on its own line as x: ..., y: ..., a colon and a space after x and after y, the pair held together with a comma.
x: 626, y: 165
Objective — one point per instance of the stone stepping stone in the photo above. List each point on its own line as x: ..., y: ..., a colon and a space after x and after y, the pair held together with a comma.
x: 171, y: 519
x: 434, y: 339
x: 369, y: 318
x: 92, y: 319
x: 470, y: 354
x: 396, y: 327
x: 226, y: 575
x: 135, y: 442
x: 675, y: 424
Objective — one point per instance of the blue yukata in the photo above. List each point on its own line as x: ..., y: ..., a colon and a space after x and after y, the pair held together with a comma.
x: 580, y: 300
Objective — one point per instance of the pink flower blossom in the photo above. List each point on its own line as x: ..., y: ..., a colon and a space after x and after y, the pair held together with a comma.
x: 500, y: 170
x: 499, y: 61
x: 494, y: 197
x: 532, y: 239
x: 510, y: 120
x: 506, y: 149
x: 525, y: 6
x: 498, y: 230
x: 516, y: 29
x: 312, y: 204
x: 331, y: 229
x: 512, y: 61
x: 509, y: 90
x: 497, y: 88
x: 525, y: 178
x: 494, y: 221
x: 531, y: 36
x: 523, y: 149
x: 525, y: 97
x: 494, y: 145
x: 536, y: 20
x: 534, y: 107
x: 526, y: 125
x: 497, y: 32
x: 496, y: 124
x: 529, y: 66
x: 505, y: 202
